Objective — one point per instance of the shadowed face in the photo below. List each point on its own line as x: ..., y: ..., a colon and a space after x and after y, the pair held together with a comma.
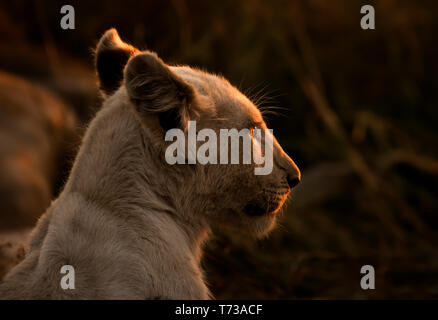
x: 252, y: 200
x: 167, y: 98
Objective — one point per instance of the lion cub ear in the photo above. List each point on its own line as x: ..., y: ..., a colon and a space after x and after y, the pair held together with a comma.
x: 155, y: 89
x: 111, y: 56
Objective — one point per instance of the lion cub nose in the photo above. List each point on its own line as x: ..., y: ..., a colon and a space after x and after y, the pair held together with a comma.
x: 293, y: 173
x: 293, y: 181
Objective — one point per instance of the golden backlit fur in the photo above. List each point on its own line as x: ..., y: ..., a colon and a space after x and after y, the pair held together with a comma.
x: 130, y: 224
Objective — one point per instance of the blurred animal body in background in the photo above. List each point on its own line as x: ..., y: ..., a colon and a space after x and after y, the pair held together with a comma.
x: 36, y: 127
x: 37, y: 131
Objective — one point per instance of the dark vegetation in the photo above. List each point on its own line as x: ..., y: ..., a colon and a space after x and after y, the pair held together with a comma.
x: 356, y: 110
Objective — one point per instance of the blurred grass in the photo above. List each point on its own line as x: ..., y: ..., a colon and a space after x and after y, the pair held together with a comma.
x: 360, y: 120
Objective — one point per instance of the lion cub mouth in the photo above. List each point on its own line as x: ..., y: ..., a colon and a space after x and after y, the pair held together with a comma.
x: 268, y: 202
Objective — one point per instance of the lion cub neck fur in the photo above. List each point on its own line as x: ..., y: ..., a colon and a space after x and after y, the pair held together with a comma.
x: 115, y: 224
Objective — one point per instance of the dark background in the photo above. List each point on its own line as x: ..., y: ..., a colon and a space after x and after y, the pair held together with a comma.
x: 356, y: 109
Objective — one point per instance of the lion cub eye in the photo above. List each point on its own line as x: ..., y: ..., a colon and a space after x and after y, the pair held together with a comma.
x: 254, y: 126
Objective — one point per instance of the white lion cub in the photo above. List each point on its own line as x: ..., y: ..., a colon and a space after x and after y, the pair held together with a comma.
x: 130, y: 224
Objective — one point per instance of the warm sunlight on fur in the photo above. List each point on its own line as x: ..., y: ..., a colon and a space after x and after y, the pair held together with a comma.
x: 130, y: 224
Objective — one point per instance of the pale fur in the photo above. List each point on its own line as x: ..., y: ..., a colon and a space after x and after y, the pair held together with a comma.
x: 132, y: 225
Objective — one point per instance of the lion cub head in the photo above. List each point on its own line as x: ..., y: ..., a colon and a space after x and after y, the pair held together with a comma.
x: 164, y: 98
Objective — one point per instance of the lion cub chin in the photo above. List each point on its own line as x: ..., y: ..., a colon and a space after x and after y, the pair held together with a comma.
x: 129, y: 225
